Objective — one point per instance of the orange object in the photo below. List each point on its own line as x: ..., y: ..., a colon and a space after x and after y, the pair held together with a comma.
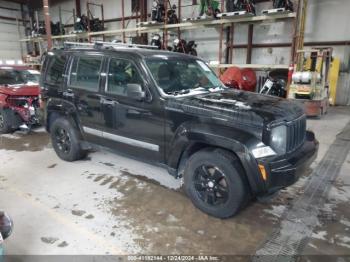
x: 263, y: 172
x: 244, y: 79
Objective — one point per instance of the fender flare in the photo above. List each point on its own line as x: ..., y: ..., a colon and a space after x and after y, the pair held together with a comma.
x: 60, y: 107
x: 229, y: 138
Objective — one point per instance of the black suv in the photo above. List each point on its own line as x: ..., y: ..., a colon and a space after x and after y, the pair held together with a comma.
x: 228, y: 146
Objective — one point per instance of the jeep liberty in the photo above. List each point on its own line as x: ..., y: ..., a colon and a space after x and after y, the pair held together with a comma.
x: 229, y: 146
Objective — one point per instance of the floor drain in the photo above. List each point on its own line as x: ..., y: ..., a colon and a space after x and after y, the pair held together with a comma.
x: 299, y: 221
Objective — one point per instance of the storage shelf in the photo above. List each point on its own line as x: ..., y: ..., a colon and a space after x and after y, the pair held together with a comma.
x: 32, y: 64
x: 252, y: 66
x: 183, y: 26
x: 44, y: 38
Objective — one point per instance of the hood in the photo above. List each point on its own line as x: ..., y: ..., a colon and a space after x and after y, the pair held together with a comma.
x: 239, y: 106
x: 20, y: 90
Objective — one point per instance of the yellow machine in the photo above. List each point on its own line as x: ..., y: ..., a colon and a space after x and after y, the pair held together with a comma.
x: 311, y: 80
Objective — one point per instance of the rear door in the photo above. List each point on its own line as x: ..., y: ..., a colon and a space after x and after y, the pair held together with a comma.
x: 83, y: 89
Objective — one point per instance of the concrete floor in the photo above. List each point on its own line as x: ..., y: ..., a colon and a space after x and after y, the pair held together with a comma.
x: 109, y: 204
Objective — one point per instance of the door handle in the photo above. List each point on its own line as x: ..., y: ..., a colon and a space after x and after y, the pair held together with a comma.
x: 107, y: 102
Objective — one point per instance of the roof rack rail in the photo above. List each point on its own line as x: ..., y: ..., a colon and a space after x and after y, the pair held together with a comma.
x: 100, y: 44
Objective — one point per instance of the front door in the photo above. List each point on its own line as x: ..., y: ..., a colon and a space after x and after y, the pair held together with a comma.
x: 132, y: 125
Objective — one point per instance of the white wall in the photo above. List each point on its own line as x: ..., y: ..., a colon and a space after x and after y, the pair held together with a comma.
x: 9, y: 36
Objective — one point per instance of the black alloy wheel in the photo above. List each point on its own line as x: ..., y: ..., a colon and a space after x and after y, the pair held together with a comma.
x: 211, y: 185
x: 63, y: 140
x: 215, y: 181
x: 66, y: 140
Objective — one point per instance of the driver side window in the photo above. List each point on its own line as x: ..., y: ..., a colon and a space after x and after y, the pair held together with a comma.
x: 121, y: 73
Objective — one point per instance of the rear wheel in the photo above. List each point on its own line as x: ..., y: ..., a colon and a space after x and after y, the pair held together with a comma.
x: 5, y: 121
x: 66, y: 140
x: 214, y: 182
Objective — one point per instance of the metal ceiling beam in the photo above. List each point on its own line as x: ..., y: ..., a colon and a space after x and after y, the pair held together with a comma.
x: 12, y: 19
x: 17, y: 1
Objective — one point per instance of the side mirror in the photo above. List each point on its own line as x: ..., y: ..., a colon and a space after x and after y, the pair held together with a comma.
x: 6, y: 225
x: 135, y: 91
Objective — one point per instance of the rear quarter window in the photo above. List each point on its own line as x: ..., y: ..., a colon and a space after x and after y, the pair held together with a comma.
x: 55, y: 69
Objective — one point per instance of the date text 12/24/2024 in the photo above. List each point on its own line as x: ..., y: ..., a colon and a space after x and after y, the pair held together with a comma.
x: 173, y: 258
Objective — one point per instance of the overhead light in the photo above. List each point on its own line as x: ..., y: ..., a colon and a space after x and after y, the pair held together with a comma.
x: 214, y: 62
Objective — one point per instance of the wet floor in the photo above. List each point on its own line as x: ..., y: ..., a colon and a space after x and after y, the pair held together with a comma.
x: 21, y: 141
x: 110, y: 204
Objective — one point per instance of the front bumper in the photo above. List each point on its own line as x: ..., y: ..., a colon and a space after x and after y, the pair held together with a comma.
x: 286, y: 170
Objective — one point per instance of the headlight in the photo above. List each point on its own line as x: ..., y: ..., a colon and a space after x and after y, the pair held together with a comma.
x: 278, y: 139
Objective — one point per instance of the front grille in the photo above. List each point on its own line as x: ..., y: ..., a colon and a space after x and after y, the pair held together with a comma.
x: 296, y: 132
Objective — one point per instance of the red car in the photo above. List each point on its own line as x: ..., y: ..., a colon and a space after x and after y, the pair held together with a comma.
x: 19, y: 98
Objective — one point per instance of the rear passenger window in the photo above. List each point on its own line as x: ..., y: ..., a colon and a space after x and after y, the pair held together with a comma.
x: 121, y: 73
x: 85, y: 73
x: 55, y: 70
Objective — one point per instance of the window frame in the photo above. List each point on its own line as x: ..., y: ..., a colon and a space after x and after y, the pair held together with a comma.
x: 97, y: 89
x: 107, y: 76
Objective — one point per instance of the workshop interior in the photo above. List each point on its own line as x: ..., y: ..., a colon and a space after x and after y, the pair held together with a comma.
x: 174, y: 130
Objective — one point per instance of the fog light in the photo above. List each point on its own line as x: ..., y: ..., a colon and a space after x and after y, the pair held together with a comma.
x: 263, y: 172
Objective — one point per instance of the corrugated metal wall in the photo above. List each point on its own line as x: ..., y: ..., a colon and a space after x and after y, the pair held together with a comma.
x: 9, y: 36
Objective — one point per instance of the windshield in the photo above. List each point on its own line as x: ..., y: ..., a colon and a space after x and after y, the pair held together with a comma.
x: 30, y: 76
x: 16, y: 77
x: 176, y: 76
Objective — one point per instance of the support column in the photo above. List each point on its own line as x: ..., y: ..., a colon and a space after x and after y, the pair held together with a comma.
x: 250, y: 43
x: 78, y: 8
x: 221, y: 36
x: 47, y: 24
x: 179, y: 18
x: 123, y: 20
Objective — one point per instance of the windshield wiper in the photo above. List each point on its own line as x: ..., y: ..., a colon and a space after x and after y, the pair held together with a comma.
x: 200, y: 88
x: 180, y: 92
x: 216, y: 88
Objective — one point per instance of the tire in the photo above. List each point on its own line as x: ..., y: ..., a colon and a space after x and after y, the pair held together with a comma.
x: 65, y: 140
x: 214, y: 181
x: 5, y: 121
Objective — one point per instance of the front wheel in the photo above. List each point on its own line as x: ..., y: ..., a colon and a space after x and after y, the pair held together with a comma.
x: 66, y: 140
x: 214, y: 180
x: 5, y: 121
